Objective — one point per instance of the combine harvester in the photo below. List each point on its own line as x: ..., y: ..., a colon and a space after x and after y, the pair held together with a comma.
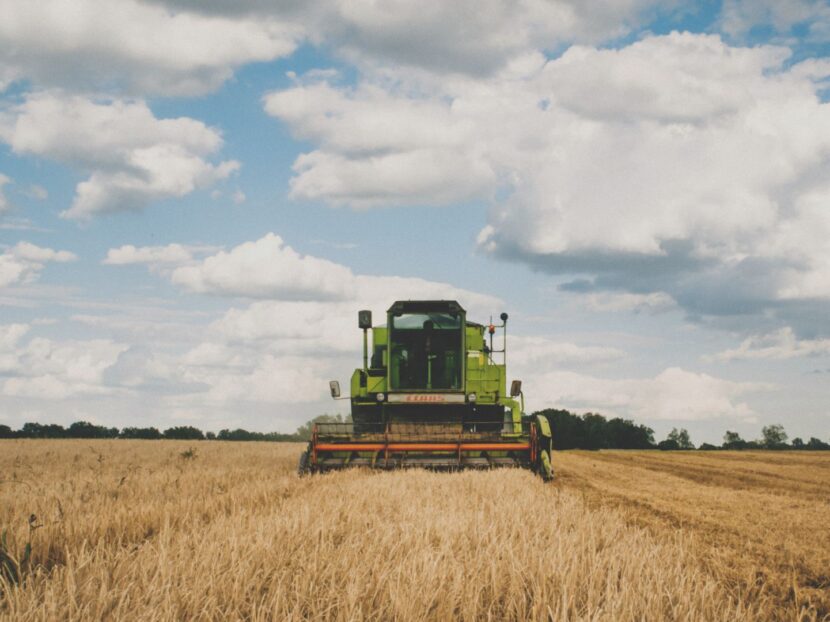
x: 431, y: 396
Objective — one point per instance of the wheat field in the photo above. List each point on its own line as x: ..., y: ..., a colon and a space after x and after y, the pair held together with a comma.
x: 161, y: 530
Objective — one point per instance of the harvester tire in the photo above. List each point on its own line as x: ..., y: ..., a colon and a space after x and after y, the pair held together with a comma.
x: 302, y: 465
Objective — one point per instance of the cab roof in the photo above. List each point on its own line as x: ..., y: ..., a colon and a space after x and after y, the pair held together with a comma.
x: 425, y: 306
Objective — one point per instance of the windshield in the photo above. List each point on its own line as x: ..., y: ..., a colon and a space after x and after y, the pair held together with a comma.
x: 426, y: 351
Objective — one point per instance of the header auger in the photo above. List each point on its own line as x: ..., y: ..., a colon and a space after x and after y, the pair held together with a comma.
x: 431, y: 395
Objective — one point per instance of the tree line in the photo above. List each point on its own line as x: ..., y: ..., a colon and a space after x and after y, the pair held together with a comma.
x: 85, y: 429
x: 593, y: 431
x: 570, y: 431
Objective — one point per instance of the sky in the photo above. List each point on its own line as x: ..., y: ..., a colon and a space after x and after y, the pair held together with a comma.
x: 197, y: 196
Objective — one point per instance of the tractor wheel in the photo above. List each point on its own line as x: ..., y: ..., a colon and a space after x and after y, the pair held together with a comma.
x: 302, y: 466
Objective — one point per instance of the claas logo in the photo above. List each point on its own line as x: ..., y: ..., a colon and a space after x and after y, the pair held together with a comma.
x: 425, y: 398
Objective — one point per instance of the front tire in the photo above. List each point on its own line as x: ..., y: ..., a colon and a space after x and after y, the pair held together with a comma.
x: 302, y: 465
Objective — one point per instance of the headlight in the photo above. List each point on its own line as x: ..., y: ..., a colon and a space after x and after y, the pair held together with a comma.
x: 381, y: 397
x: 471, y: 397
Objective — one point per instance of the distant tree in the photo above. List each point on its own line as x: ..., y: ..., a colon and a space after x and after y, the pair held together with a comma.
x: 668, y: 444
x: 85, y: 429
x: 236, y: 435
x: 184, y: 433
x: 244, y: 435
x: 625, y: 434
x: 31, y: 430
x: 815, y: 443
x: 568, y: 429
x: 774, y: 436
x: 6, y: 432
x: 707, y: 447
x: 53, y: 430
x: 211, y: 436
x: 733, y: 440
x: 681, y: 437
x: 142, y: 433
x: 596, y: 431
x: 593, y: 431
x: 797, y: 443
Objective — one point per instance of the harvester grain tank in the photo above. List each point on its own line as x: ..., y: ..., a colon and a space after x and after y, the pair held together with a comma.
x: 431, y: 394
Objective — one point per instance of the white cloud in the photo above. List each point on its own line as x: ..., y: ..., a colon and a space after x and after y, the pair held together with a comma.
x: 779, y: 345
x: 266, y: 268
x: 669, y: 168
x: 37, y: 254
x: 181, y: 47
x: 129, y: 254
x: 467, y: 36
x: 673, y: 395
x: 23, y: 262
x: 46, y: 369
x: 267, y: 379
x: 322, y: 328
x: 133, y: 158
x: 10, y: 335
x: 279, y: 350
x: 131, y: 45
x: 378, y: 149
x: 528, y: 353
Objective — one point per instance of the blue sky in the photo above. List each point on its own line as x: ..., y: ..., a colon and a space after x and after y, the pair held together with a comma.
x: 198, y: 196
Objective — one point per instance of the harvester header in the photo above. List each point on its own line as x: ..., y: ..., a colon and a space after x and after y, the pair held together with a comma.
x: 432, y: 394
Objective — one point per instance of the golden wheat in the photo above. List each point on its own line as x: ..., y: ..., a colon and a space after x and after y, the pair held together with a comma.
x: 146, y: 530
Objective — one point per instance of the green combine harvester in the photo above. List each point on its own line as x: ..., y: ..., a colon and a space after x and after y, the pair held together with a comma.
x: 432, y: 396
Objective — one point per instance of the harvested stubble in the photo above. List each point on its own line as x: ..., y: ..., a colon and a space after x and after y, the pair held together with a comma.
x: 138, y: 530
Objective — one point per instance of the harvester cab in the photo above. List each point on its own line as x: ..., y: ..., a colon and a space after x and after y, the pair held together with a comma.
x: 431, y: 394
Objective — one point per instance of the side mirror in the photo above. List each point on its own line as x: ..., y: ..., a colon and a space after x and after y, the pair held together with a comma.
x: 515, y: 388
x: 334, y: 387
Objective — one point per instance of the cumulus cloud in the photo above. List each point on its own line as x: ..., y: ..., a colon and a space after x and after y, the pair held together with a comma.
x: 531, y: 352
x: 379, y: 149
x: 149, y: 255
x: 675, y: 168
x: 278, y: 350
x: 133, y: 157
x: 23, y: 262
x: 472, y: 37
x: 323, y: 328
x: 264, y: 378
x: 184, y: 47
x: 675, y: 394
x: 47, y: 369
x: 132, y: 46
x: 268, y: 268
x: 780, y: 344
